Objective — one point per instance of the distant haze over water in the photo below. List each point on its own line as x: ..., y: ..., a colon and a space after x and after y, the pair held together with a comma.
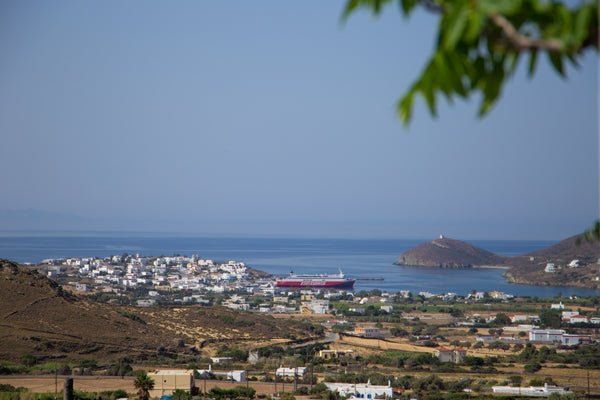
x: 369, y: 258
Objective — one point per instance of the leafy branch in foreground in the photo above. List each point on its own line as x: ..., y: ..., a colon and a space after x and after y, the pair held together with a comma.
x: 480, y: 42
x: 592, y: 235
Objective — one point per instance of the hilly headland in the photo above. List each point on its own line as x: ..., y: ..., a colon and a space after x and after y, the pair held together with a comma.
x: 571, y: 262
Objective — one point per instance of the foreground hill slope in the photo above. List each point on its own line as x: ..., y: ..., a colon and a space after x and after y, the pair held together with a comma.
x: 38, y: 317
x: 448, y: 253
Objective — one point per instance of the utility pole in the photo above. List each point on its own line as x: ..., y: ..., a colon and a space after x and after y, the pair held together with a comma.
x: 296, y: 376
x: 311, y: 356
x: 588, y: 382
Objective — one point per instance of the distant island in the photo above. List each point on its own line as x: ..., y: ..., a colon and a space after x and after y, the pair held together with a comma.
x: 564, y: 264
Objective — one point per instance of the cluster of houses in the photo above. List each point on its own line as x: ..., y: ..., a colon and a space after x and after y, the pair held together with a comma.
x: 567, y: 316
x: 475, y: 296
x: 552, y: 268
x: 516, y: 317
x: 161, y: 273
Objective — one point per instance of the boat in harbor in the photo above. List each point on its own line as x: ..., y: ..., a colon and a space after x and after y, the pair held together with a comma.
x: 323, y: 281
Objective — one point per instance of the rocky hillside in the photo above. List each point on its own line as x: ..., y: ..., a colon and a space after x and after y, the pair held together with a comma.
x: 448, y: 253
x: 525, y: 269
x: 529, y: 268
x: 39, y: 318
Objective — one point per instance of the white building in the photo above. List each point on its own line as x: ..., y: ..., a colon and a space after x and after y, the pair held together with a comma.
x: 217, y: 360
x: 568, y: 314
x: 550, y: 267
x: 546, y: 335
x: 146, y: 303
x: 298, y: 371
x: 371, y: 332
x: 558, y: 336
x: 518, y: 317
x: 576, y: 319
x: 235, y: 375
x: 387, y: 309
x: 361, y: 390
x: 574, y: 340
x: 533, y: 391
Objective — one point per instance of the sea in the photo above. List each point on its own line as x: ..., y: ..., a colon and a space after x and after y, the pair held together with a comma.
x: 364, y: 259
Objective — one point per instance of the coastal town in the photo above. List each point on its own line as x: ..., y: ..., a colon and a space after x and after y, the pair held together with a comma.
x: 145, y: 281
x: 327, y: 200
x: 362, y: 344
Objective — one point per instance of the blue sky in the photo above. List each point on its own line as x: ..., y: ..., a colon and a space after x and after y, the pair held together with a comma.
x: 273, y: 118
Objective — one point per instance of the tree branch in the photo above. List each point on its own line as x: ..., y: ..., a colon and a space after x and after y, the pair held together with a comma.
x: 521, y: 42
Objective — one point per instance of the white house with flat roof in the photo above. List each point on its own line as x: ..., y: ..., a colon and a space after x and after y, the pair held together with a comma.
x: 361, y: 390
x: 298, y: 371
x: 546, y: 335
x: 531, y: 391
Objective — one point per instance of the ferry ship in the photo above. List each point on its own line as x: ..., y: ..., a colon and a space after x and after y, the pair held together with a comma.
x: 337, y: 281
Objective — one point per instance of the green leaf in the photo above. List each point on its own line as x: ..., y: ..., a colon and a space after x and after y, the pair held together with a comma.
x: 532, y: 63
x: 404, y: 108
x: 456, y: 23
x: 425, y: 85
x: 374, y: 5
x: 504, y: 7
x: 350, y: 7
x: 514, y: 60
x: 582, y: 23
x: 491, y: 84
x: 474, y: 27
x: 408, y: 5
x: 557, y: 63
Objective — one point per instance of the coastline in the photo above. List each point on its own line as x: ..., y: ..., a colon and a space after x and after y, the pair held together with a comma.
x: 452, y: 267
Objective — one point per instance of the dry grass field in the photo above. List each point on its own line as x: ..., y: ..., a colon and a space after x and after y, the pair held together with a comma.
x: 38, y: 384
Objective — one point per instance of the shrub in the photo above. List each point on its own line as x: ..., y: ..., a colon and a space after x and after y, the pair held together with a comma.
x: 28, y: 360
x: 533, y: 367
x: 180, y: 394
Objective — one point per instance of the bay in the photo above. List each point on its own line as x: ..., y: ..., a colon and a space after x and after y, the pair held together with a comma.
x: 358, y: 258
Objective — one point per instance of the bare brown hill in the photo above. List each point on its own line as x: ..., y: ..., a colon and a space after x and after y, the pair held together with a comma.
x: 529, y: 268
x: 448, y: 253
x: 38, y: 317
x: 525, y: 269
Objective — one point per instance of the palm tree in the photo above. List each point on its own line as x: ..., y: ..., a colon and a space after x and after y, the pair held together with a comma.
x: 144, y: 384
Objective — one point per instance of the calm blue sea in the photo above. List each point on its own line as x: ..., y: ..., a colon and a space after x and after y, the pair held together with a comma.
x: 357, y: 258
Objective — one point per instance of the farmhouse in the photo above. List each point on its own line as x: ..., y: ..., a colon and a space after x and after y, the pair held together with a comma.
x: 455, y: 355
x: 167, y: 381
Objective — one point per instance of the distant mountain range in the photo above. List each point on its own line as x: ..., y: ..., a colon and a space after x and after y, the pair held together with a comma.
x: 524, y: 269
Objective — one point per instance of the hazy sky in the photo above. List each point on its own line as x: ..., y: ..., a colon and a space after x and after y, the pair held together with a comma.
x: 272, y: 118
